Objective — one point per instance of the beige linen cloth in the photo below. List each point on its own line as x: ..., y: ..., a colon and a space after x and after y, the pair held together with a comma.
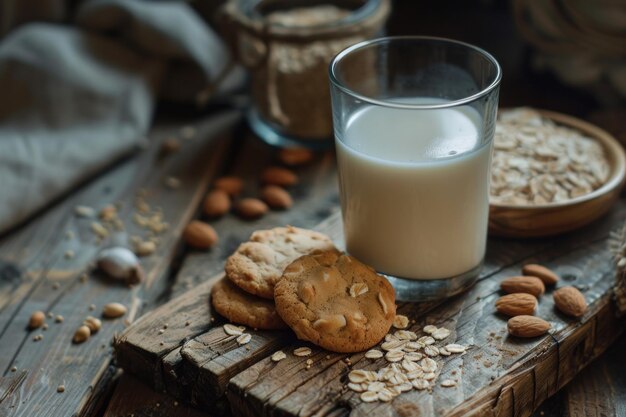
x: 74, y: 98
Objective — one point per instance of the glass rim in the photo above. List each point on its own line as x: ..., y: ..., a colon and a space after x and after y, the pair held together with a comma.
x: 384, y: 103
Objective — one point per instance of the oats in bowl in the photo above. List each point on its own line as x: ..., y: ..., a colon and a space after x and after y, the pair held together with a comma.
x: 537, y: 161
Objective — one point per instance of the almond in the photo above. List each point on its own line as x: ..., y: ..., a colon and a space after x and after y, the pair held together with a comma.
x: 276, y: 197
x: 82, y: 334
x: 570, y: 301
x: 546, y: 275
x: 36, y: 320
x: 529, y: 285
x: 93, y: 323
x: 251, y: 208
x: 279, y: 176
x: 232, y: 185
x: 216, y: 203
x: 295, y: 156
x: 527, y: 326
x: 113, y: 310
x: 516, y: 304
x: 200, y: 235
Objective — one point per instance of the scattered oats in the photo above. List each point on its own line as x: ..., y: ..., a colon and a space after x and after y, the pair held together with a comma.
x: 420, y: 384
x: 61, y: 388
x: 431, y: 350
x: 144, y: 248
x: 50, y: 315
x: 413, y: 356
x: 394, y: 355
x: 429, y: 329
x: 44, y: 326
x: 358, y: 376
x: 172, y: 183
x: 309, y: 362
x: 357, y: 289
x: 56, y: 286
x: 389, y: 337
x: 59, y: 318
x: 455, y: 348
x: 356, y: 387
x: 14, y: 369
x: 92, y: 307
x: 244, y: 338
x: 161, y: 331
x: 429, y: 376
x: 38, y: 337
x: 99, y: 230
x: 426, y: 340
x: 400, y: 321
x: 405, y: 387
x: 444, y: 352
x: 302, y: 351
x: 278, y: 356
x: 405, y: 335
x: 415, y: 374
x: 69, y: 254
x: 369, y: 396
x: 84, y: 211
x: 375, y: 386
x: 233, y: 330
x: 373, y: 354
x: 428, y: 365
x: 108, y: 213
x: 410, y: 366
x: 441, y: 333
x: 385, y: 395
x: 413, y: 346
x: 448, y: 383
x: 393, y: 345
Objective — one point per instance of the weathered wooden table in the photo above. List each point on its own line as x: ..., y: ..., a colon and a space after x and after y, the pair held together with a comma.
x: 35, y: 273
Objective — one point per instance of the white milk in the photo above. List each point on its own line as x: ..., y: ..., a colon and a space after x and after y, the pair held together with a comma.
x: 415, y: 190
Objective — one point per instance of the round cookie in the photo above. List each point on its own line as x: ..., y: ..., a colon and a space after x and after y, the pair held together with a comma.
x: 242, y: 308
x: 258, y: 264
x: 335, y: 301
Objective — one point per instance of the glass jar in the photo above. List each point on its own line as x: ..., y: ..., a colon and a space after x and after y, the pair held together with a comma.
x: 287, y: 45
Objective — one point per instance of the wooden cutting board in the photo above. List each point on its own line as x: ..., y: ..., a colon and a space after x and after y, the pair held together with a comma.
x: 195, y: 361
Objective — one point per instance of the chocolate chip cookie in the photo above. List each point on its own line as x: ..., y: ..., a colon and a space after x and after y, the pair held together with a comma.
x: 242, y: 308
x: 259, y: 263
x: 335, y: 301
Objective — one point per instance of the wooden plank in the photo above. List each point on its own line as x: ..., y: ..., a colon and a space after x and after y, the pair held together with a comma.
x: 51, y: 281
x: 583, y: 259
x: 145, y: 402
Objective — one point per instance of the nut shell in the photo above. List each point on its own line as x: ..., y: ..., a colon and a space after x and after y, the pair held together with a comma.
x: 37, y: 320
x: 529, y: 285
x: 232, y: 185
x: 527, y: 326
x: 113, y: 310
x: 251, y: 208
x: 276, y: 197
x: 216, y: 203
x: 546, y: 275
x: 516, y: 304
x: 200, y: 235
x: 570, y: 301
x: 279, y: 176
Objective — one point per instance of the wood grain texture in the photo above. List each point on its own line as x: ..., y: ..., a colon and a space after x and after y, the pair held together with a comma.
x: 38, y: 274
x: 498, y: 375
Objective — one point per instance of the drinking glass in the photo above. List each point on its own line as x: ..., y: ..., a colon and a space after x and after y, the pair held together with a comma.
x: 414, y: 119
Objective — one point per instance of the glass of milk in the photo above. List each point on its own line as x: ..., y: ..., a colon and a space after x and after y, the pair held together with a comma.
x: 414, y: 119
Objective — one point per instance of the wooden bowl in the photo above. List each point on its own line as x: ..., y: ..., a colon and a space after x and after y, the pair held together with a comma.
x: 555, y: 218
